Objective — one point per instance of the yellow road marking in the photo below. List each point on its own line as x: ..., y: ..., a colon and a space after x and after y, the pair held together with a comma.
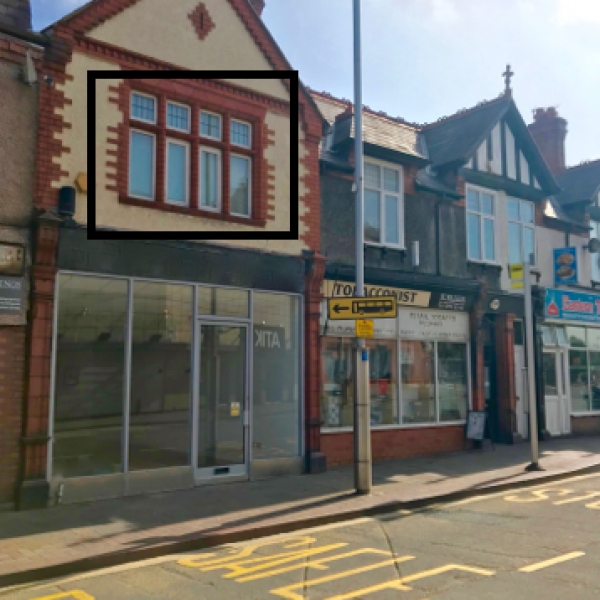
x: 538, y: 495
x: 577, y: 498
x: 73, y: 595
x: 552, y: 561
x: 200, y: 560
x: 317, y: 564
x: 287, y: 591
x: 400, y: 584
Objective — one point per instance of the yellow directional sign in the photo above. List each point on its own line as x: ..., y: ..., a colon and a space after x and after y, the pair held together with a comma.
x: 382, y: 307
x: 365, y: 328
x: 515, y: 272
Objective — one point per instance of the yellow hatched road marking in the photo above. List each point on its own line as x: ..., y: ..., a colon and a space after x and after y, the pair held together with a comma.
x: 400, y: 584
x: 538, y: 495
x: 550, y: 562
x: 287, y: 591
x: 317, y: 564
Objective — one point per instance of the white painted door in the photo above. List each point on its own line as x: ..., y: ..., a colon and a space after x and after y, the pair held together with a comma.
x: 554, y: 393
x: 520, y: 392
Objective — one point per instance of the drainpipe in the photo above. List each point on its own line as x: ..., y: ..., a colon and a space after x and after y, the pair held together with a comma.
x: 438, y: 253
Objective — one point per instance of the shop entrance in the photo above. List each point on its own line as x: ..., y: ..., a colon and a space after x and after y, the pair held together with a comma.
x: 555, y: 397
x: 222, y: 400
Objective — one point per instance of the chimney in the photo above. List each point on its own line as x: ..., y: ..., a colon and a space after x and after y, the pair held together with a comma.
x: 16, y: 14
x: 257, y: 5
x: 549, y: 132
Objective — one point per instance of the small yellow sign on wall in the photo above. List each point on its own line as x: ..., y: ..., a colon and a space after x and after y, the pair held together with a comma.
x: 515, y: 272
x: 81, y: 182
x: 365, y: 328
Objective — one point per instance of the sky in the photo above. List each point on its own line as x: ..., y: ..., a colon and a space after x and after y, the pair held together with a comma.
x: 425, y: 59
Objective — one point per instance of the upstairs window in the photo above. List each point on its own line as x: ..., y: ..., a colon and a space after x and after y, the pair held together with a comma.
x: 240, y: 134
x: 210, y: 125
x: 384, y: 206
x: 521, y: 231
x: 481, y: 234
x: 143, y: 107
x: 178, y: 116
x: 142, y: 160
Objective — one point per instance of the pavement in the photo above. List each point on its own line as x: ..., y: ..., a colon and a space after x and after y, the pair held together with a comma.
x: 67, y: 539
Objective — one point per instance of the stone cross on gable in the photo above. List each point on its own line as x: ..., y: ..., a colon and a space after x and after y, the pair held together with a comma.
x: 507, y: 77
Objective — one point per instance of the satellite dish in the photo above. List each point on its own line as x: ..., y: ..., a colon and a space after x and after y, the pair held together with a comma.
x: 29, y: 72
x: 593, y: 245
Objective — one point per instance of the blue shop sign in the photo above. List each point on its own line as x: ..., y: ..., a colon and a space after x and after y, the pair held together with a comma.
x: 572, y: 306
x: 565, y: 266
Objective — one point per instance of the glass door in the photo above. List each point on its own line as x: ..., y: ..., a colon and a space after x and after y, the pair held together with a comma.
x: 222, y: 427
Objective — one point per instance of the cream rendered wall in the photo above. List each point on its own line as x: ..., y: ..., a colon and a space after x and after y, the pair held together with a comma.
x: 161, y: 29
x: 482, y: 157
x: 110, y: 213
x: 524, y: 169
x: 511, y: 164
x: 547, y: 240
x: 496, y: 161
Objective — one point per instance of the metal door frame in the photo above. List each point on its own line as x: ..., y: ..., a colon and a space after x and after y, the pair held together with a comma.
x: 233, y: 471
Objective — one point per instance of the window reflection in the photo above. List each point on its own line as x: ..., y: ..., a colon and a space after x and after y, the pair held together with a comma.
x: 418, y: 382
x: 90, y: 359
x: 160, y: 376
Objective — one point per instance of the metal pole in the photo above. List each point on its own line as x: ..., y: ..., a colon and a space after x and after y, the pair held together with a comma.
x: 362, y: 411
x: 530, y: 347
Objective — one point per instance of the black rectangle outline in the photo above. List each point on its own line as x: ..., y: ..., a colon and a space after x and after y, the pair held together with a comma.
x: 93, y: 233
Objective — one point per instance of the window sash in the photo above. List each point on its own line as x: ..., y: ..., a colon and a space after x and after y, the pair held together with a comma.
x: 176, y: 105
x: 135, y: 178
x: 483, y: 248
x: 521, y: 217
x: 132, y: 108
x: 232, y: 192
x: 234, y: 134
x: 208, y: 134
x: 217, y: 188
x: 378, y: 201
x: 170, y: 173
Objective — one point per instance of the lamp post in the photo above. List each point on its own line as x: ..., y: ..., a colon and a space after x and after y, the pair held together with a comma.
x: 362, y: 410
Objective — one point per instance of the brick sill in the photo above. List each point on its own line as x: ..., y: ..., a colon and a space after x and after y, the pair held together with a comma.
x: 191, y: 212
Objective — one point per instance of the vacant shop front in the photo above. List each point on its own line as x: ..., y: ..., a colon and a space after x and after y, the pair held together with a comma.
x: 162, y: 385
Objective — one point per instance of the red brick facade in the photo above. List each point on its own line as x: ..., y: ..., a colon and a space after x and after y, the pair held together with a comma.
x: 395, y: 443
x: 12, y: 384
x: 68, y: 36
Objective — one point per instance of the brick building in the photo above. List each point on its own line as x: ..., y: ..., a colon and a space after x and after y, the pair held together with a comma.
x: 20, y: 51
x: 162, y: 364
x: 447, y: 206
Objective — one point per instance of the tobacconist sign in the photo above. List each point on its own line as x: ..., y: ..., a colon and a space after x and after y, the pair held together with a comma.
x: 12, y: 295
x: 404, y: 297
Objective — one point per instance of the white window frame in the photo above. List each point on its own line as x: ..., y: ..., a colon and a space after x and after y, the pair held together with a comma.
x: 594, y: 258
x: 186, y: 145
x: 132, y: 130
x: 189, y: 112
x: 521, y: 225
x: 249, y: 159
x: 494, y: 195
x: 133, y: 118
x: 400, y: 194
x: 249, y: 125
x: 219, y: 155
x: 210, y: 137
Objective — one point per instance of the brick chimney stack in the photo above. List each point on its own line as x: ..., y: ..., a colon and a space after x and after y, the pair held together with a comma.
x: 549, y: 131
x: 257, y: 5
x: 16, y: 14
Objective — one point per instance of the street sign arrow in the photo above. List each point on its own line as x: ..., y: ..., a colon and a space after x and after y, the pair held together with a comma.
x: 377, y: 307
x: 337, y: 308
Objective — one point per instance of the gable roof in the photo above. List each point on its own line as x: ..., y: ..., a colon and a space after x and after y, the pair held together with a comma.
x: 378, y: 129
x: 95, y: 12
x: 579, y: 184
x: 455, y: 139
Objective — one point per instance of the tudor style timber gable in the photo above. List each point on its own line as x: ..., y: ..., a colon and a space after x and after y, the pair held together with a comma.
x: 188, y: 35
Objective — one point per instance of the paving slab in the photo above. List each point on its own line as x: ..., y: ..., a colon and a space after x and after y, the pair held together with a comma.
x: 66, y: 539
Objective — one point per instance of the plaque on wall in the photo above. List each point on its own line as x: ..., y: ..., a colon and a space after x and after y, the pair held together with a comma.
x: 12, y: 295
x: 12, y: 259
